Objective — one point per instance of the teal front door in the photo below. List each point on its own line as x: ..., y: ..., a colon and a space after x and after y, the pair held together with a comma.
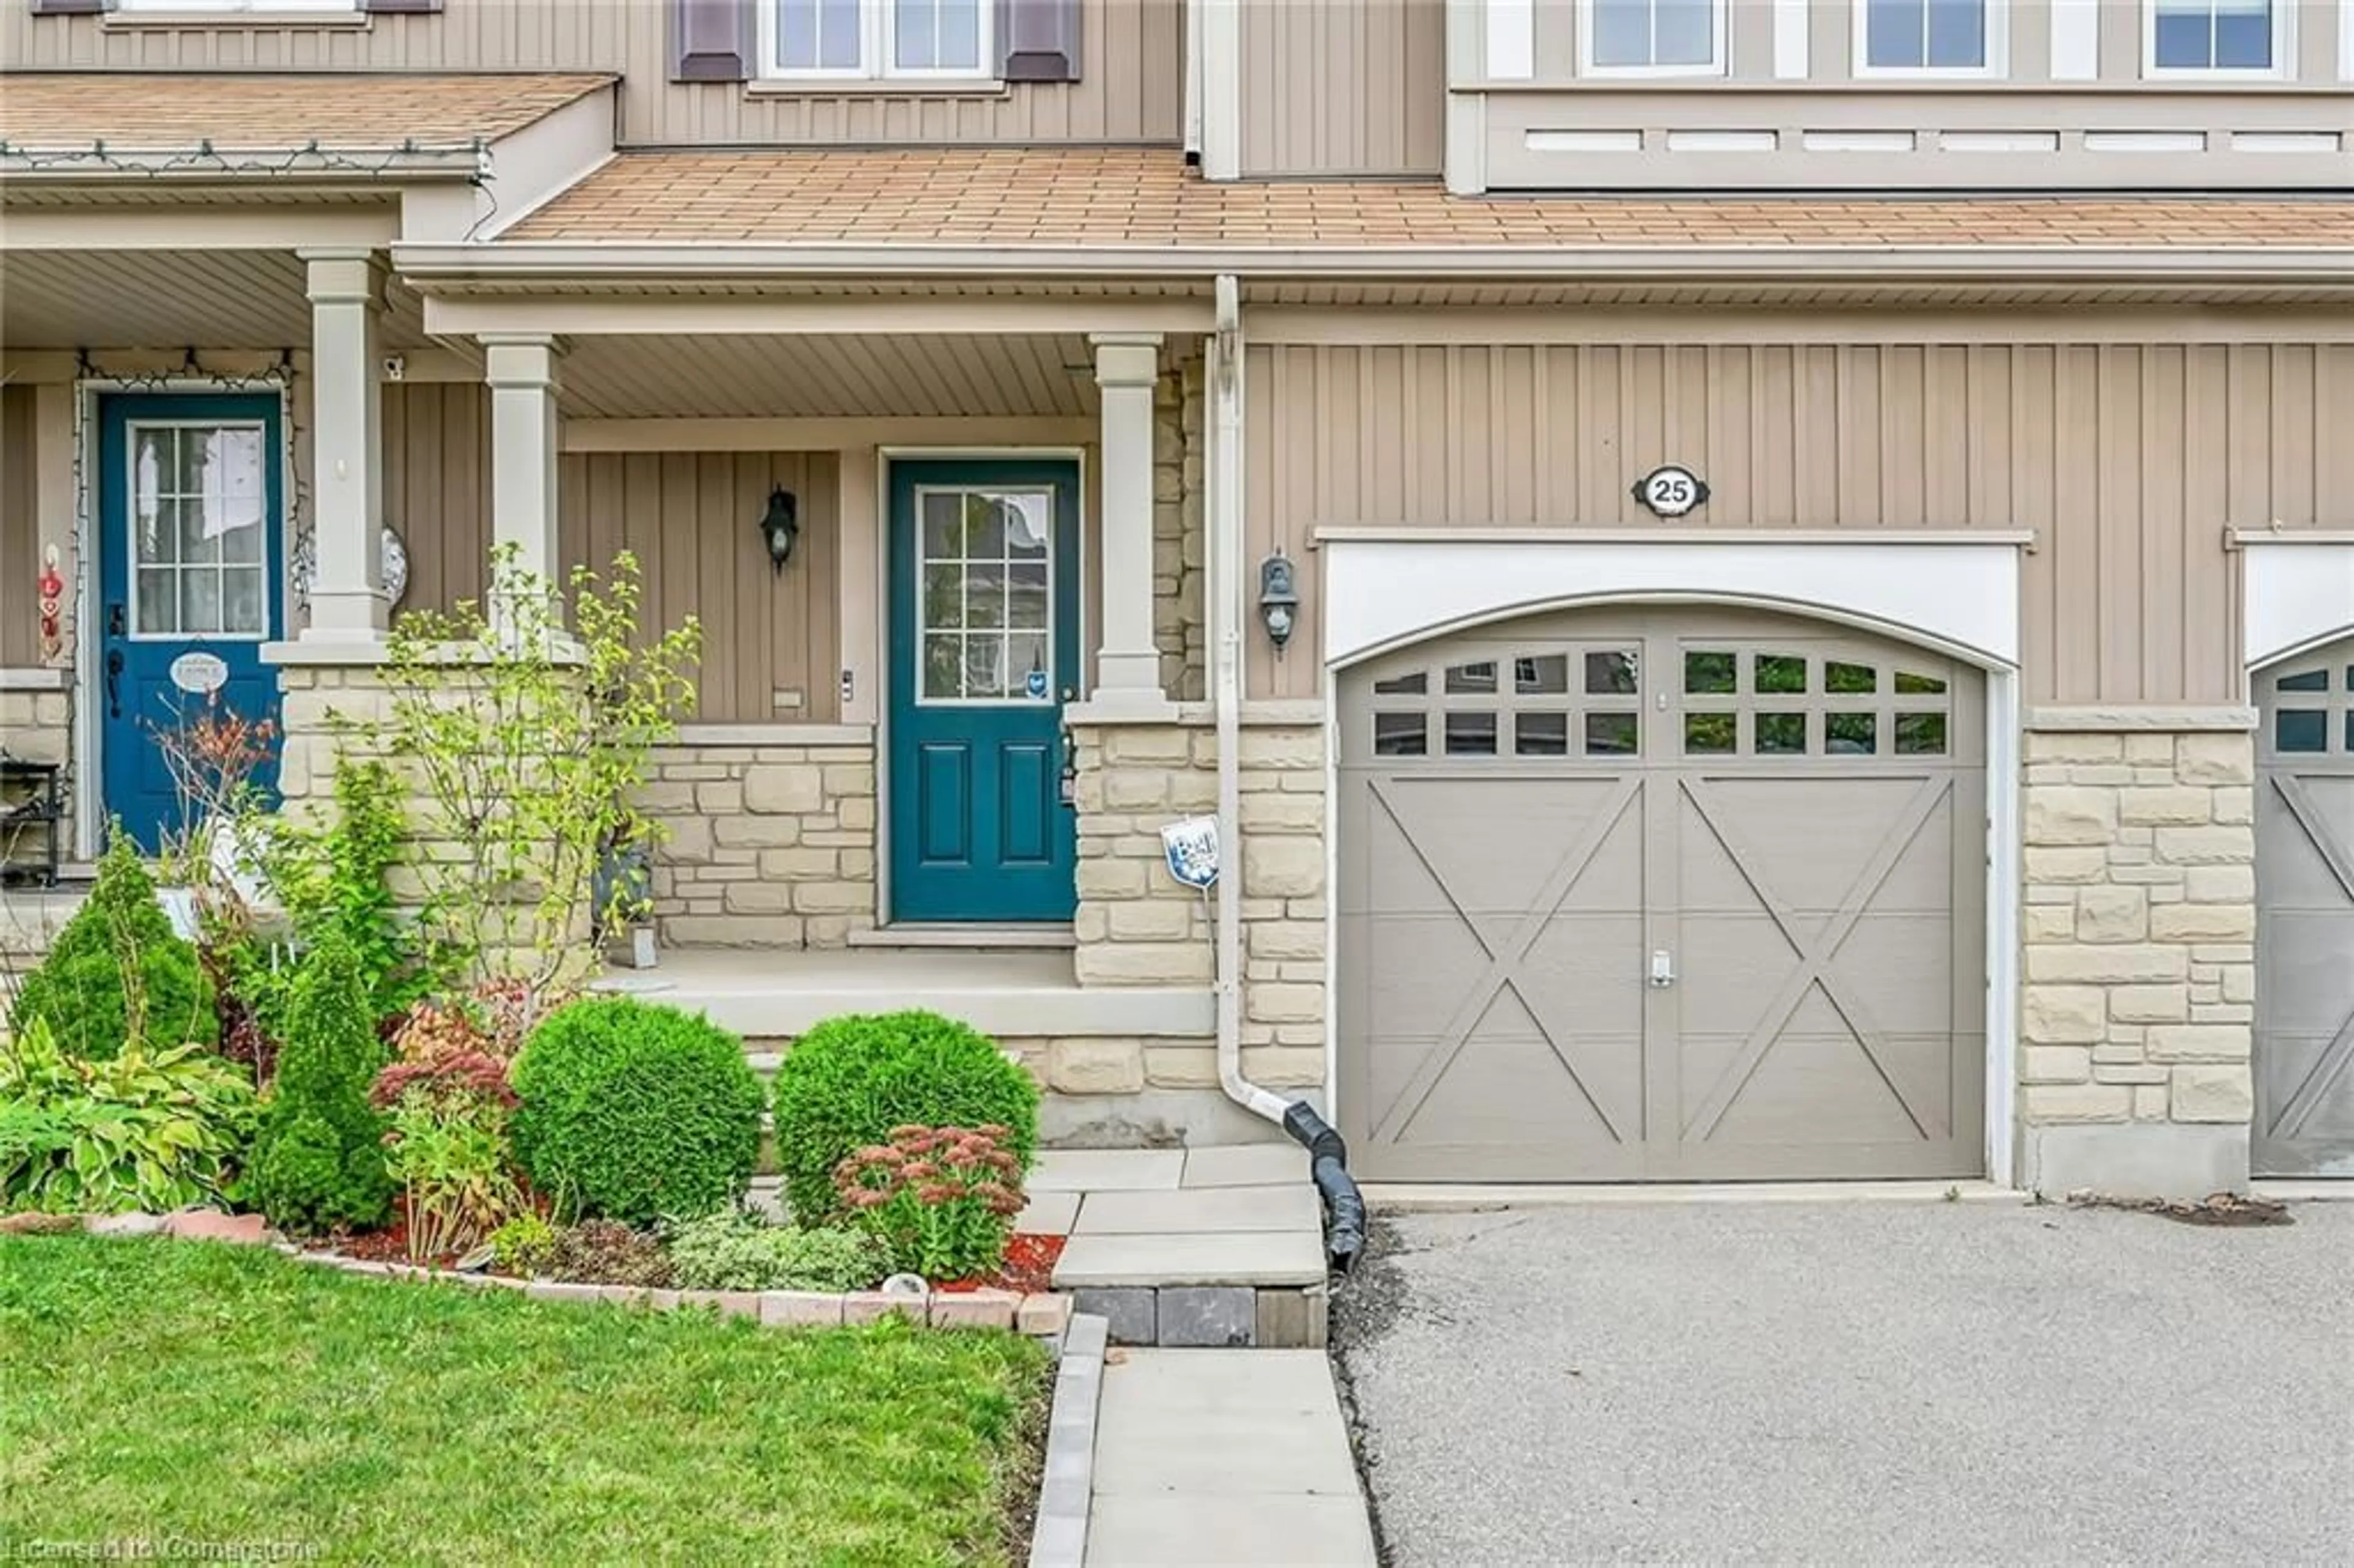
x: 984, y: 618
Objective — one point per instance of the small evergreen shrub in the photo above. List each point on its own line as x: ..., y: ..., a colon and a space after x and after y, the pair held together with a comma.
x: 319, y: 1164
x: 636, y: 1112
x: 524, y: 1245
x: 118, y: 975
x: 849, y: 1082
x: 742, y: 1251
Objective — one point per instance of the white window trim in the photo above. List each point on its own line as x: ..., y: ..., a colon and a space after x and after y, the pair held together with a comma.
x: 236, y: 7
x: 1719, y: 31
x: 877, y: 40
x: 2284, y: 13
x: 1997, y: 51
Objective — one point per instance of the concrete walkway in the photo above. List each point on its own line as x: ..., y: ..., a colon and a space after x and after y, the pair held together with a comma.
x: 1236, y: 1457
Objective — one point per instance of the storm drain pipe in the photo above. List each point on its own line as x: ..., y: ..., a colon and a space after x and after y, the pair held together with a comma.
x: 1345, y: 1206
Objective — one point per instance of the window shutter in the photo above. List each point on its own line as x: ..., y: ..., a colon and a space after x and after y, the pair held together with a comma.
x: 400, y: 7
x: 1042, y: 39
x: 711, y: 40
x: 71, y: 7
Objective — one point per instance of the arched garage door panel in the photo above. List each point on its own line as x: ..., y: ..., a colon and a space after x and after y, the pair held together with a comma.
x: 1660, y: 896
x: 2304, y: 932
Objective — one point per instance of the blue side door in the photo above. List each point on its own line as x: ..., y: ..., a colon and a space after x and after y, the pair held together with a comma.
x: 193, y: 519
x: 984, y: 619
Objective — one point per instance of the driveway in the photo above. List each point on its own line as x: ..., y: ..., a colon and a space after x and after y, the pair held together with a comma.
x: 1862, y: 1383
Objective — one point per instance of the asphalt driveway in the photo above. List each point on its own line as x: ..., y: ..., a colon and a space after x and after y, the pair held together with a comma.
x: 1867, y: 1383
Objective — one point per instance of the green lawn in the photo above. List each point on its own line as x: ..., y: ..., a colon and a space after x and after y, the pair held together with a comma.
x: 152, y: 1389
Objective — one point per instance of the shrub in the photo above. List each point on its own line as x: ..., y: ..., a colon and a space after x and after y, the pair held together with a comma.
x: 448, y: 1150
x: 941, y: 1200
x: 739, y: 1251
x: 606, y: 1252
x: 636, y: 1112
x: 849, y: 1081
x: 118, y: 975
x: 319, y: 1163
x: 524, y: 1245
x: 154, y: 1131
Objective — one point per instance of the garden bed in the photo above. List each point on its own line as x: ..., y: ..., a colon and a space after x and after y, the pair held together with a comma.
x: 150, y: 1390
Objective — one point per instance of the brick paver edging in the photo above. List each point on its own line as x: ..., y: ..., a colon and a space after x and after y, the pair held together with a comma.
x: 1059, y: 1537
x: 1041, y: 1315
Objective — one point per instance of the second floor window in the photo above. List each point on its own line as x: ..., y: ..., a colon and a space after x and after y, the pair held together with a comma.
x: 2216, y: 35
x: 1938, y: 36
x: 1654, y: 37
x: 852, y: 38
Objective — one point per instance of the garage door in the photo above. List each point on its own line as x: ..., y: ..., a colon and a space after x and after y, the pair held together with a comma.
x: 1674, y: 894
x: 2305, y: 926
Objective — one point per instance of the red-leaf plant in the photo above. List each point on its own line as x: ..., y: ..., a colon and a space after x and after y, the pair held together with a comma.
x: 942, y: 1199
x: 448, y: 1148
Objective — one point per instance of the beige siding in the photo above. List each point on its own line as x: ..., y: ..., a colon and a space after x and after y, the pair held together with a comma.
x: 771, y: 643
x: 20, y: 545
x: 1354, y: 86
x: 2128, y: 462
x: 437, y: 488
x: 1130, y: 86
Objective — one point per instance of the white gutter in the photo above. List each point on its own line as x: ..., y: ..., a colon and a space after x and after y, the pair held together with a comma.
x: 515, y: 260
x: 1222, y: 521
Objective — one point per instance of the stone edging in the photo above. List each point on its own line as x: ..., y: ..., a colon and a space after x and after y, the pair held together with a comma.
x: 1059, y: 1538
x: 1040, y: 1314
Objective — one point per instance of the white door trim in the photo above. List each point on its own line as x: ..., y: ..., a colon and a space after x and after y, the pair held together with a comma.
x: 1958, y: 595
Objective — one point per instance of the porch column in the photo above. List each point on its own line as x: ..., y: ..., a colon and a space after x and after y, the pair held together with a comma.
x: 347, y: 598
x: 1127, y: 665
x: 521, y: 370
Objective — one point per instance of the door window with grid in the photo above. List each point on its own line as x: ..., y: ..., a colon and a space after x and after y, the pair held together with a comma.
x: 985, y: 593
x: 199, y: 515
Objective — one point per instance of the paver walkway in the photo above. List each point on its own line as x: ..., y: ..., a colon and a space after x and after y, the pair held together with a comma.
x: 1233, y: 1457
x: 1237, y: 1215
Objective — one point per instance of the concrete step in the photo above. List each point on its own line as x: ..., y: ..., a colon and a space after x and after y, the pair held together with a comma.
x: 1293, y: 1257
x: 1201, y: 1211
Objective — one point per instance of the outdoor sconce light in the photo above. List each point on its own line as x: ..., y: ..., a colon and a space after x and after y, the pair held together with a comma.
x: 779, y: 526
x: 1279, y: 602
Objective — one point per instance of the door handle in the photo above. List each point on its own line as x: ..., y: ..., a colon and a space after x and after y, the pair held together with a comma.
x: 114, y: 682
x: 117, y: 624
x: 1663, y: 969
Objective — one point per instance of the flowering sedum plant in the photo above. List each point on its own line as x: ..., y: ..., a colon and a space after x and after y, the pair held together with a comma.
x: 448, y: 1148
x: 941, y: 1200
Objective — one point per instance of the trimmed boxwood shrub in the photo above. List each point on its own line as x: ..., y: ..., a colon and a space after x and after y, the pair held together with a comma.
x: 79, y: 990
x: 636, y: 1112
x: 848, y: 1082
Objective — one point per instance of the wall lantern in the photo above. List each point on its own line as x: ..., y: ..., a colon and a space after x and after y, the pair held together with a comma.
x: 1279, y: 602
x: 779, y: 526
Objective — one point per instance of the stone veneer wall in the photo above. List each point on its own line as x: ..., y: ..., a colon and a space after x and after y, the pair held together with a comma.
x: 2139, y: 928
x: 1136, y: 927
x: 1179, y: 624
x: 37, y: 727
x: 773, y: 844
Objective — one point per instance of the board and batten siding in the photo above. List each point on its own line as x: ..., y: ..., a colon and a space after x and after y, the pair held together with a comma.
x: 437, y: 488
x: 1344, y: 87
x: 771, y: 641
x: 2127, y: 462
x: 20, y: 542
x: 1131, y: 85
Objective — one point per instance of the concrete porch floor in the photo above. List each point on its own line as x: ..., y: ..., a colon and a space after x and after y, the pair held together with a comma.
x: 765, y: 994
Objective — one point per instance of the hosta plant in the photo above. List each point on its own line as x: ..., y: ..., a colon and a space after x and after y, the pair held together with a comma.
x: 448, y: 1150
x: 941, y: 1200
x: 151, y: 1130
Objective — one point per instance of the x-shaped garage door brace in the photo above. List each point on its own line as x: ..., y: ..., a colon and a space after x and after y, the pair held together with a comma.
x: 1504, y: 961
x: 1817, y: 955
x: 2330, y: 1065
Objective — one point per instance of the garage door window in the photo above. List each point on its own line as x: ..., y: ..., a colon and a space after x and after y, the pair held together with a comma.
x: 2308, y: 717
x: 1767, y: 701
x: 1561, y: 702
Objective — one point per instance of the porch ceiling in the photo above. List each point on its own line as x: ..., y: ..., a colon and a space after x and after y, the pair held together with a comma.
x: 170, y: 298
x: 945, y: 375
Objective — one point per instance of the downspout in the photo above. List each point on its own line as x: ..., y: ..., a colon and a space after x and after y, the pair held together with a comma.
x: 1345, y: 1206
x: 1224, y: 550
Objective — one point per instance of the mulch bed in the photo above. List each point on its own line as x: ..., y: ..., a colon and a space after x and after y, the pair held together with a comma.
x: 1029, y: 1267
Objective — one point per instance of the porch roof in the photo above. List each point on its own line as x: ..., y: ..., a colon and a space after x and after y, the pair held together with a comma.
x: 82, y: 124
x: 1114, y: 198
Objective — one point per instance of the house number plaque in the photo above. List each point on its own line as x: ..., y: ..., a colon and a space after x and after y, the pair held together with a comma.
x: 1671, y: 490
